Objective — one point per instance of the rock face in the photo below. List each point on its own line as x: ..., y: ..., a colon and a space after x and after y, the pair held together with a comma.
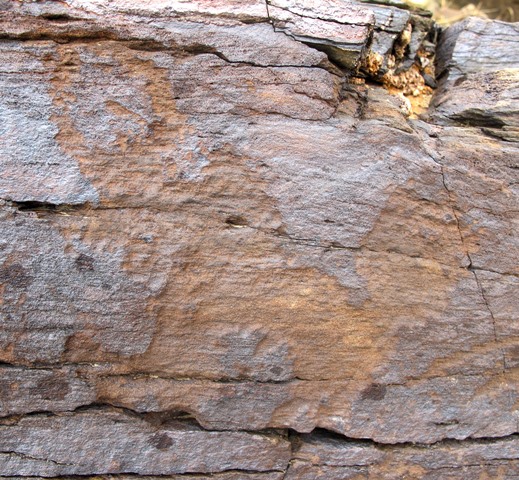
x: 226, y: 252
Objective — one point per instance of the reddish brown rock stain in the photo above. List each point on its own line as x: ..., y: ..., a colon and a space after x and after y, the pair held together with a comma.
x: 429, y: 230
x: 15, y: 275
x: 161, y: 441
x: 52, y: 388
x: 415, y: 277
x: 213, y: 262
x: 375, y: 391
x: 216, y: 282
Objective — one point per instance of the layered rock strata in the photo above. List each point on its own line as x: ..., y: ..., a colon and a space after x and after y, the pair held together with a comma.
x: 227, y: 251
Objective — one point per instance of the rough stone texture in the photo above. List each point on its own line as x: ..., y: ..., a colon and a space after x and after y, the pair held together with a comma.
x: 480, y: 86
x: 134, y: 445
x: 214, y: 242
x: 342, y: 29
x: 319, y: 456
x: 229, y: 475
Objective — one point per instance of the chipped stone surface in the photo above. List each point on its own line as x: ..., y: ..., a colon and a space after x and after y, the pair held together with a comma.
x: 43, y: 389
x: 480, y: 67
x: 135, y: 446
x: 342, y: 29
x: 321, y: 456
x: 212, y: 239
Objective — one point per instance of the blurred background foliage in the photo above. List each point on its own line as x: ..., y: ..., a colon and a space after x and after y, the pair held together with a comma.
x: 450, y: 11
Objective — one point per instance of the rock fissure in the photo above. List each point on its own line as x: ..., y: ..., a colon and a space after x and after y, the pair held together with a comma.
x: 494, y: 326
x: 325, y: 18
x: 471, y: 268
x: 506, y: 274
x: 24, y: 456
x: 45, y: 209
x: 151, y: 45
x: 33, y: 206
x: 157, y: 418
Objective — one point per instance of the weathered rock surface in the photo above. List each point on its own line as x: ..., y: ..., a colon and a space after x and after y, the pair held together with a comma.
x: 480, y: 86
x: 215, y: 242
x: 134, y: 445
x: 317, y: 456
